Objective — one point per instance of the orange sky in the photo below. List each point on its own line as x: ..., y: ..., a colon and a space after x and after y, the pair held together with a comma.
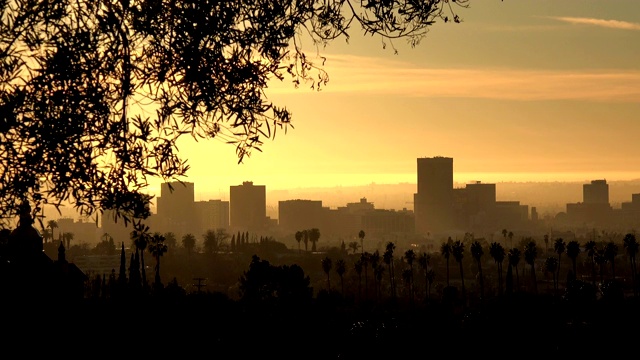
x: 521, y: 90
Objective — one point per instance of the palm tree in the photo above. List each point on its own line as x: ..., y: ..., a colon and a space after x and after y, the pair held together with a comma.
x: 46, y: 235
x: 630, y: 245
x: 326, y: 267
x: 354, y: 247
x: 374, y: 261
x: 551, y: 265
x: 431, y: 276
x: 52, y: 224
x: 305, y: 239
x: 546, y: 243
x: 510, y: 235
x: 211, y: 243
x: 189, y: 243
x: 514, y: 259
x: 67, y: 237
x: 600, y: 259
x: 591, y: 248
x: 357, y: 266
x: 409, y: 258
x: 476, y: 253
x: 573, y: 250
x: 423, y: 260
x: 530, y: 255
x: 504, y: 235
x: 341, y: 268
x: 457, y: 250
x: 140, y: 236
x: 378, y: 272
x: 364, y: 258
x: 387, y: 257
x: 361, y: 236
x: 445, y: 250
x: 559, y: 246
x: 498, y: 253
x: 170, y: 240
x: 610, y: 253
x: 298, y: 239
x: 157, y: 248
x: 314, y: 236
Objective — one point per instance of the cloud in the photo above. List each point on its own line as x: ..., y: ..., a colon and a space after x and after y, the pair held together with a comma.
x: 354, y: 75
x: 613, y: 24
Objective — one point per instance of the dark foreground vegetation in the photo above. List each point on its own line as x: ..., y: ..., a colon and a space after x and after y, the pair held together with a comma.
x: 275, y: 302
x: 278, y: 315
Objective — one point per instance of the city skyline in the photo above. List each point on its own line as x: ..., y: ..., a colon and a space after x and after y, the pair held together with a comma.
x: 399, y: 196
x: 537, y: 90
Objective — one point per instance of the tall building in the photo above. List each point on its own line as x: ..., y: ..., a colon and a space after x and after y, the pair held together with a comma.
x: 248, y: 207
x: 473, y: 205
x: 433, y: 203
x: 594, y: 209
x: 212, y: 215
x: 597, y: 192
x: 176, y: 209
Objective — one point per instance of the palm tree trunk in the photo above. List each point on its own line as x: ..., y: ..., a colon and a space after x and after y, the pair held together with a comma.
x: 533, y: 277
x: 462, y: 279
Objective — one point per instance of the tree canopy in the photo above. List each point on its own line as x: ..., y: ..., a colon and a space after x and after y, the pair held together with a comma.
x: 94, y: 94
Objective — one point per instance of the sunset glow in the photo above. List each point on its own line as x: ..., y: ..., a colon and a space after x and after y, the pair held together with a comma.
x: 519, y: 91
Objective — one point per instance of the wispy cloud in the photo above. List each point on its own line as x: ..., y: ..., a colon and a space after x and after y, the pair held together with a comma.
x: 613, y: 24
x: 356, y: 75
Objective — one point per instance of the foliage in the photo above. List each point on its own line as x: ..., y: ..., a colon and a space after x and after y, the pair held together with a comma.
x: 94, y: 94
x: 264, y: 282
x: 214, y: 239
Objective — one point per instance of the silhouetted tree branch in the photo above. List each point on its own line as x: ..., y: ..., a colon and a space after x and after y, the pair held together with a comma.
x: 94, y: 94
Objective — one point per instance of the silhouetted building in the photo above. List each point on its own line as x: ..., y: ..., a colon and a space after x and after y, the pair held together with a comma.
x: 597, y: 192
x: 595, y: 209
x: 474, y: 206
x: 84, y: 232
x: 296, y: 215
x: 118, y: 230
x: 433, y: 203
x: 212, y: 215
x: 248, y: 207
x: 512, y: 214
x: 389, y: 224
x: 176, y: 208
x: 630, y: 213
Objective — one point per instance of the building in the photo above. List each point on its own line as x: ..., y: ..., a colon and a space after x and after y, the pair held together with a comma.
x: 433, y: 203
x: 597, y: 192
x: 594, y: 210
x: 176, y: 209
x: 296, y: 215
x: 212, y: 215
x: 248, y: 207
x: 474, y: 207
x: 84, y: 232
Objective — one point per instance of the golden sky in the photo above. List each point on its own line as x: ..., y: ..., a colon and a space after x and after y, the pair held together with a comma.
x: 540, y: 90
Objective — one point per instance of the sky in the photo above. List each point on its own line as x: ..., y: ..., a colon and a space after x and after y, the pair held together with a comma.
x: 520, y: 90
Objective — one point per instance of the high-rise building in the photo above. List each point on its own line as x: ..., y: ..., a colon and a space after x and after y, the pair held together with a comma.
x: 212, y: 215
x: 248, y: 207
x: 433, y: 203
x: 597, y: 192
x: 176, y: 209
